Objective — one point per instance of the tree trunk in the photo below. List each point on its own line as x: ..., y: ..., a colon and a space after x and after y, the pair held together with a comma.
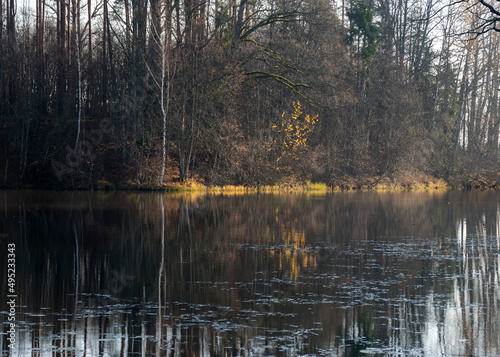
x: 76, y: 21
x: 2, y: 58
x: 166, y: 76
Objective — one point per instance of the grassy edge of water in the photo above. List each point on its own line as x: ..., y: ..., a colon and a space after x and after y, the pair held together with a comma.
x: 196, y: 187
x: 375, y: 184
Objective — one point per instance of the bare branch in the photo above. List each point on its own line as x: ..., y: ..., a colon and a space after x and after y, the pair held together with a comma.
x: 487, y: 24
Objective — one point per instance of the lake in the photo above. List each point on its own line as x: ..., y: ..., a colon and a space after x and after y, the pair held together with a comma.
x: 342, y: 274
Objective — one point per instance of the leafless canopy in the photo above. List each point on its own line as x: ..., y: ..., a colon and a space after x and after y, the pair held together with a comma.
x: 490, y: 19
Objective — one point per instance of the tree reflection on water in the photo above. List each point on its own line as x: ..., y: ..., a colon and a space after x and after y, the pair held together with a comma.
x: 341, y: 274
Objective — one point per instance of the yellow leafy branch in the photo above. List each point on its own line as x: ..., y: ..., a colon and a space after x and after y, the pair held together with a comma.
x: 291, y: 134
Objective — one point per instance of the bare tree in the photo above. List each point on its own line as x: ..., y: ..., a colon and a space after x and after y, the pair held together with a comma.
x: 76, y: 21
x: 489, y: 19
x: 162, y: 73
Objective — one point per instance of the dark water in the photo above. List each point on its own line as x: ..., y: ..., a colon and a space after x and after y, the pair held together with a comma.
x: 344, y: 274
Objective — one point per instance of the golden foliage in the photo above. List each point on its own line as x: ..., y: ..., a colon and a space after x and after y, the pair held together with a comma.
x: 290, y: 135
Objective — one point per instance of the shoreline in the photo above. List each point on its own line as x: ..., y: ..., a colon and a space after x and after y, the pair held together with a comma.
x: 393, y: 183
x: 296, y: 187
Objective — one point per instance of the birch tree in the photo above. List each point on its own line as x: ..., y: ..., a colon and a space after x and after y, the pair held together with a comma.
x: 76, y: 21
x: 162, y: 73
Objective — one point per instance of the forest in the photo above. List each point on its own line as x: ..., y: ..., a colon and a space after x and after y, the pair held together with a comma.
x: 146, y: 93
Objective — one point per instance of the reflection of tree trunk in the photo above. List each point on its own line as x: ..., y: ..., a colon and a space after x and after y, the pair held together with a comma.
x: 24, y: 229
x: 159, y: 323
x: 183, y: 218
x: 77, y: 275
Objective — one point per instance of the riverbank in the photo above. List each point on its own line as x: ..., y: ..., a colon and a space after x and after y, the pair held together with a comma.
x: 115, y: 177
x: 386, y: 183
x: 354, y: 184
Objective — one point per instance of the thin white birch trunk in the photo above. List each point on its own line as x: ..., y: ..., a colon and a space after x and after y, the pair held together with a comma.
x: 79, y: 77
x: 165, y: 70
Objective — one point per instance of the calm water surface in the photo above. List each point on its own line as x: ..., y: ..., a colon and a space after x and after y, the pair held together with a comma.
x: 344, y: 274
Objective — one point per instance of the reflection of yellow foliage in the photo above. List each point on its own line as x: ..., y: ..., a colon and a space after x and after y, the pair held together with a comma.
x: 291, y: 134
x: 293, y: 254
